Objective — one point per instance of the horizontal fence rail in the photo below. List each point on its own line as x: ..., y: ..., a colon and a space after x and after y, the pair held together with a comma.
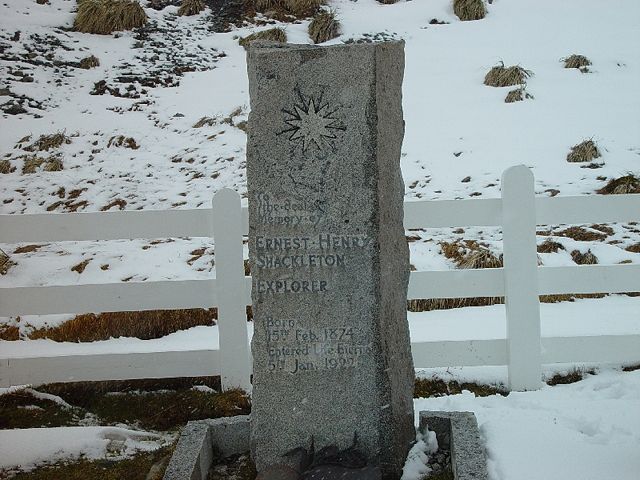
x: 523, y: 351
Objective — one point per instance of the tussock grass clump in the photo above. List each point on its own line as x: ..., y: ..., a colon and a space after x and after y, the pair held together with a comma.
x: 583, y: 152
x: 89, y: 62
x: 517, y: 95
x: 467, y: 10
x: 145, y: 325
x: 324, y: 26
x: 501, y: 76
x: 581, y: 234
x: 572, y: 376
x: 296, y: 8
x: 122, y: 141
x: 33, y: 162
x: 9, y: 333
x: 106, y: 16
x: 6, y: 167
x: 206, y: 121
x: 191, y: 7
x: 629, y: 183
x: 48, y: 142
x: 549, y: 246
x: 580, y: 62
x: 635, y: 248
x: 465, y: 254
x: 437, y: 387
x: 587, y: 258
x: 276, y: 34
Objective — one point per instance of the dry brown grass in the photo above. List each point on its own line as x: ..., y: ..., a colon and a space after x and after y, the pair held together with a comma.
x: 437, y: 387
x: 324, y: 26
x: 633, y: 248
x: 296, y: 8
x: 549, y: 246
x: 580, y: 62
x: 191, y: 7
x: 583, y: 152
x: 629, y: 183
x: 572, y: 376
x: 581, y: 234
x: 79, y: 268
x: 205, y: 121
x: 517, y: 95
x: 122, y: 141
x: 276, y: 34
x: 9, y: 332
x: 33, y: 162
x: 107, y: 16
x: 48, y: 142
x: 501, y: 76
x: 145, y: 325
x: 467, y: 10
x: 89, y: 62
x: 587, y: 258
x: 6, y: 167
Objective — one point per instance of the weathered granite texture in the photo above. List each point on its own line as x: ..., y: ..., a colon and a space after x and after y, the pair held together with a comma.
x: 329, y: 259
x: 458, y: 432
x: 198, y: 442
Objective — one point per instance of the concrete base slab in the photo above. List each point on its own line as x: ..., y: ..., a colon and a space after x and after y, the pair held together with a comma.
x: 198, y: 442
x: 458, y: 432
x: 201, y: 439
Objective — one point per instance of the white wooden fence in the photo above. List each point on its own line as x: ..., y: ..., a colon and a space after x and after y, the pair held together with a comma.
x: 520, y: 281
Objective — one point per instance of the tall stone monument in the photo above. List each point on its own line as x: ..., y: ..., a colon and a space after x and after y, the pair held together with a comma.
x: 329, y: 259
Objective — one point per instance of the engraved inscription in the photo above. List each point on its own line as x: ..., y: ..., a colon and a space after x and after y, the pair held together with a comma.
x: 292, y: 348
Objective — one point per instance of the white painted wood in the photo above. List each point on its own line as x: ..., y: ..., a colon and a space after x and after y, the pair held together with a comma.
x: 587, y: 209
x: 232, y: 321
x: 80, y: 368
x: 459, y: 353
x: 595, y: 349
x: 57, y: 227
x: 108, y: 297
x: 589, y: 279
x: 452, y: 213
x: 456, y: 283
x: 521, y: 279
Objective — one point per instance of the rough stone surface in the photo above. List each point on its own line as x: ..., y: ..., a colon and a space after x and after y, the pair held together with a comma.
x: 459, y: 432
x: 193, y: 455
x: 328, y: 255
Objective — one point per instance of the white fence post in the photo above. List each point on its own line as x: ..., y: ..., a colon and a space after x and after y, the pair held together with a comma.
x: 235, y: 366
x: 521, y: 279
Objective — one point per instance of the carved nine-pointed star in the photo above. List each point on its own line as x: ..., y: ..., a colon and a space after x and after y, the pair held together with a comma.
x: 312, y: 124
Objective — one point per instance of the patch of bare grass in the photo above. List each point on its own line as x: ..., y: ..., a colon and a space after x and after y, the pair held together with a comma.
x: 48, y: 142
x: 191, y: 7
x: 32, y: 163
x: 6, y: 167
x: 572, y: 376
x: 587, y: 258
x: 9, y: 332
x: 5, y: 262
x: 89, y: 62
x: 122, y: 141
x: 629, y: 183
x: 107, y: 16
x: 549, y: 246
x: 468, y: 10
x: 584, y: 152
x: 501, y: 76
x: 145, y: 325
x: 276, y: 34
x: 518, y: 95
x: 581, y: 234
x: 205, y: 122
x: 580, y: 62
x: 118, y: 202
x: 633, y: 248
x: 324, y: 26
x: 437, y: 387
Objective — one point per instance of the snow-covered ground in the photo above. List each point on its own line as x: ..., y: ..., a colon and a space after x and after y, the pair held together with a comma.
x: 460, y: 136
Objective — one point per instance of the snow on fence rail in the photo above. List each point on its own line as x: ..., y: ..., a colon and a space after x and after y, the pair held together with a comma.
x: 521, y: 281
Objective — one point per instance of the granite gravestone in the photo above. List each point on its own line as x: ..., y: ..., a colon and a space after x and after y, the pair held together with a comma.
x: 329, y: 260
